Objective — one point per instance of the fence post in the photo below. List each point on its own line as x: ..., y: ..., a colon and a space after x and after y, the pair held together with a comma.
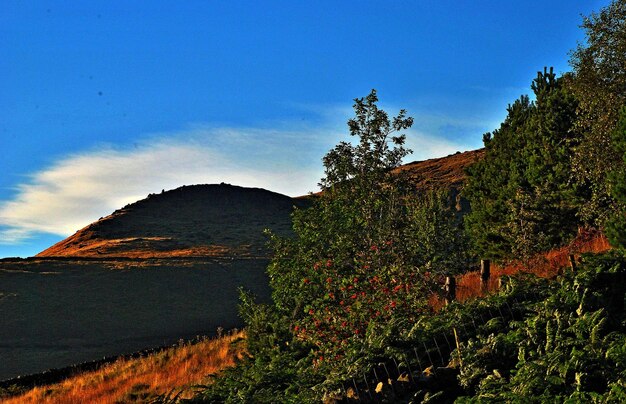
x: 450, y: 289
x: 485, y: 273
x: 572, y: 262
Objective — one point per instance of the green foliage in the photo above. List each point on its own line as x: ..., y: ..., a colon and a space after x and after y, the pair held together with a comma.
x: 600, y: 85
x: 522, y: 197
x: 440, y: 245
x: 616, y: 227
x: 571, y: 348
x: 367, y: 254
x: 265, y: 328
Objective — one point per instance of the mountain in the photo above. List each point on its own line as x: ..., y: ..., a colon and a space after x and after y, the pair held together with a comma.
x: 219, y: 220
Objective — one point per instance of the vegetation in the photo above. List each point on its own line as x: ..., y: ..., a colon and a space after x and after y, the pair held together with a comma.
x: 354, y: 292
x: 616, y: 228
x: 522, y: 195
x: 570, y: 347
x: 356, y: 311
x: 172, y: 371
x: 599, y: 68
x: 547, y: 168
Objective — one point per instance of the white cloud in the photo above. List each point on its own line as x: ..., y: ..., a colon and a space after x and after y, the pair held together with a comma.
x: 79, y: 188
x: 425, y: 146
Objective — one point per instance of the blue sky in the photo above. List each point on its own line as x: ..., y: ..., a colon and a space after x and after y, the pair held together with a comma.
x: 105, y: 102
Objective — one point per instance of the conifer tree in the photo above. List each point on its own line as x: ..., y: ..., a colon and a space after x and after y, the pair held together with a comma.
x: 522, y: 196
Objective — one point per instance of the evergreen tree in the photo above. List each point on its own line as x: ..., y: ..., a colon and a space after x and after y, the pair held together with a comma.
x: 522, y: 196
x: 492, y: 183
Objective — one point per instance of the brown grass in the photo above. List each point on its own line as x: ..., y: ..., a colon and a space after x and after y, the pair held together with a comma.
x: 441, y: 173
x: 137, y: 380
x: 547, y: 265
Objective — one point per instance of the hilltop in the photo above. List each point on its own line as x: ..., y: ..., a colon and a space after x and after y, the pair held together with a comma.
x: 219, y: 220
x: 190, y: 221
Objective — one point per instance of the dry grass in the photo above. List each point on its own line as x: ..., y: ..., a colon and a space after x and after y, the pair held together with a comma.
x: 547, y: 265
x: 441, y: 173
x: 139, y: 380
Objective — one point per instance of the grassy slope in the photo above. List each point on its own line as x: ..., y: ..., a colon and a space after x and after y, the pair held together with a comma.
x: 170, y: 371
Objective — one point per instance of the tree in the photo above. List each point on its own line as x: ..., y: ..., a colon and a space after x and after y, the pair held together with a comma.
x: 492, y: 183
x: 367, y: 254
x: 522, y: 195
x: 599, y: 84
x: 616, y: 226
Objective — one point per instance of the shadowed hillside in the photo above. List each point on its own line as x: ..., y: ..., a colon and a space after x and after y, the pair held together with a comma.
x: 60, y: 312
x: 199, y: 220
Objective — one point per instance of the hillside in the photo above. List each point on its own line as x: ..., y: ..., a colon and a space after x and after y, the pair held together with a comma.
x: 199, y: 220
x: 218, y: 220
x: 157, y: 260
x: 442, y: 173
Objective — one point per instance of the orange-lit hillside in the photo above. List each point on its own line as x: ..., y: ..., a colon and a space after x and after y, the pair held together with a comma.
x: 442, y: 173
x: 546, y: 265
x: 141, y: 379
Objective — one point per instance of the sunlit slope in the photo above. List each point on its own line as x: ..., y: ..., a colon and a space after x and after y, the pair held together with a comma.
x: 442, y: 173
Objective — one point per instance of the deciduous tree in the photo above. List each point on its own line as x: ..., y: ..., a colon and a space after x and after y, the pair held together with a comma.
x: 600, y: 86
x: 367, y: 253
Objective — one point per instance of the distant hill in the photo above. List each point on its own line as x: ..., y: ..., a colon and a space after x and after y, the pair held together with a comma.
x: 198, y: 220
x: 219, y: 220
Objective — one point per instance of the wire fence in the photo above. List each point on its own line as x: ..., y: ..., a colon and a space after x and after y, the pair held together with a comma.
x: 412, y: 367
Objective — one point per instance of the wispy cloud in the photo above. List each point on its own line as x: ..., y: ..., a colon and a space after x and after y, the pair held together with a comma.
x: 79, y: 188
x: 426, y: 146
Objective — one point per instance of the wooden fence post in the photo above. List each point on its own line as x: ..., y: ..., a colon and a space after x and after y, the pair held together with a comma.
x: 450, y: 289
x: 572, y: 262
x: 485, y: 273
